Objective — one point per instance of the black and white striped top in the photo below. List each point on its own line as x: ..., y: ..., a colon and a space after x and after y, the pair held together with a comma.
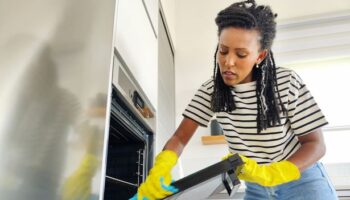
x: 240, y: 127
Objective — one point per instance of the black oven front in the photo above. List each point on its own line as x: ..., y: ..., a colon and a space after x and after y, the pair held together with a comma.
x: 130, y: 150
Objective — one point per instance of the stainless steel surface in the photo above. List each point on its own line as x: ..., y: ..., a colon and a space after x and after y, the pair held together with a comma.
x: 210, y: 189
x: 201, y: 191
x: 55, y: 63
x: 210, y: 181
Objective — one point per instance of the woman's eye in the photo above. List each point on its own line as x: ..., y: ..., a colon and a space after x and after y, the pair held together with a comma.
x: 241, y: 55
x: 223, y: 52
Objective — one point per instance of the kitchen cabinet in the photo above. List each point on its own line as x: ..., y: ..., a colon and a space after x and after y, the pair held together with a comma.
x: 136, y: 41
x: 152, y: 9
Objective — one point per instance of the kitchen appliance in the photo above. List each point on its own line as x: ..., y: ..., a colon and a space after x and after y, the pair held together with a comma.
x: 55, y: 73
x: 132, y: 129
x: 210, y: 181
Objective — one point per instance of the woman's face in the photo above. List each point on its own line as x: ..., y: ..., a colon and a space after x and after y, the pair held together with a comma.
x: 239, y: 51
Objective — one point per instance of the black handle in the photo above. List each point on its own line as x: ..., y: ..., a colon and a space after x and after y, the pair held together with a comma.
x: 137, y: 100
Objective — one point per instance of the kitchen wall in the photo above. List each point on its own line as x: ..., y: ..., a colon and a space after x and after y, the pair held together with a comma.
x: 196, y: 38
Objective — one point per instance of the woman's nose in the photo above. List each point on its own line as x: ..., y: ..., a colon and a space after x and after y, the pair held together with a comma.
x: 230, y: 61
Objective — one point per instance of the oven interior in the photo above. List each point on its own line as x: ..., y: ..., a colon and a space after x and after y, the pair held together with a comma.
x: 129, y: 151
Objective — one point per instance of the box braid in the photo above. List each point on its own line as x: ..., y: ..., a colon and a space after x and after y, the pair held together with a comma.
x: 248, y: 15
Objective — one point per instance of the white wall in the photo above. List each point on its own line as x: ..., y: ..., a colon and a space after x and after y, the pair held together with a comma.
x: 196, y: 37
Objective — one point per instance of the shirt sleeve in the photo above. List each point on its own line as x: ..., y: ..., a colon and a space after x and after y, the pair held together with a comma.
x: 303, y: 112
x: 199, y: 109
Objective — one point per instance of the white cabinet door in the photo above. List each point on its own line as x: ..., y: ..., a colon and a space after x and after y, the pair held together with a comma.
x: 152, y: 7
x: 137, y: 44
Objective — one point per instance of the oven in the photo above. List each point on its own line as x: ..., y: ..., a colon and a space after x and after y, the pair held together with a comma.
x: 131, y: 135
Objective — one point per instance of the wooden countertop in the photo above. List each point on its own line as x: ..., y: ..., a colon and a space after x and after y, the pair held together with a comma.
x: 215, y: 139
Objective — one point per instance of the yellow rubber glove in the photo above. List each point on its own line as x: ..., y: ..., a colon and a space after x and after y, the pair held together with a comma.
x: 157, y: 184
x: 78, y: 185
x: 268, y: 175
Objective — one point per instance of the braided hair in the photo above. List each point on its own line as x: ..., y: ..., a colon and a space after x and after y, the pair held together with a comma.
x: 248, y: 15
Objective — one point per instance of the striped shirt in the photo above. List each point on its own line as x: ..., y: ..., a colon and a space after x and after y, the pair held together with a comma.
x: 240, y: 127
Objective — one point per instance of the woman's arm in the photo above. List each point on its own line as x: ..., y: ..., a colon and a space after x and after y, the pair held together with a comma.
x: 312, y: 149
x: 181, y: 136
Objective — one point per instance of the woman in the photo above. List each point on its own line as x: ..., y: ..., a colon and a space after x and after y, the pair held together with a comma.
x: 268, y: 115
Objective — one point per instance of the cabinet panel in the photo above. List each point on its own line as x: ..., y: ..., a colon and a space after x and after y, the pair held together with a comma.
x: 152, y: 7
x: 137, y: 44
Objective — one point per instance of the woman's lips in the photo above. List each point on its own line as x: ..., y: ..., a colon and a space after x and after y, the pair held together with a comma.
x: 229, y: 75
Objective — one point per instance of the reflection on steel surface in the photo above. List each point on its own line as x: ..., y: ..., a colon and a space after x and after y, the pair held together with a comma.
x: 55, y: 59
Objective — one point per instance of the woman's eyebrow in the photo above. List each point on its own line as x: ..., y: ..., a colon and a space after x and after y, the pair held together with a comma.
x: 241, y: 49
x: 236, y: 49
x: 222, y: 45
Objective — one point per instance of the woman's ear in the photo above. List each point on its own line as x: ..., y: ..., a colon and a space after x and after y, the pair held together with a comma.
x: 262, y: 56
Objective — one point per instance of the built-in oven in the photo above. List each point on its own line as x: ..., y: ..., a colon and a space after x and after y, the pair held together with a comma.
x: 131, y: 135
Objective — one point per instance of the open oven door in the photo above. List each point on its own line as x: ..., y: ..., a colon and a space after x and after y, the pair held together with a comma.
x: 208, y: 182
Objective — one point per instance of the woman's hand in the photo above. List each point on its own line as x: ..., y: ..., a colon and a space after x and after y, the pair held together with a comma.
x: 158, y: 182
x: 268, y: 175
